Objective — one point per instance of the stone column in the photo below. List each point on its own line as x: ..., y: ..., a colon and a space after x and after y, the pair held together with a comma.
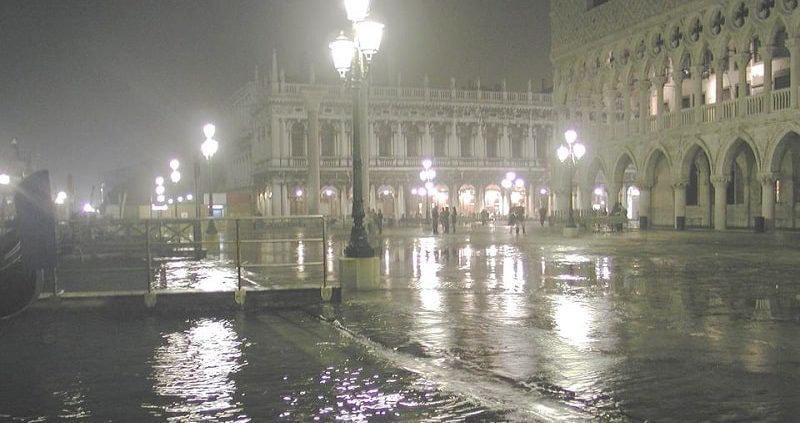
x: 275, y: 200
x: 696, y: 86
x: 626, y: 101
x: 768, y: 199
x: 677, y: 95
x: 284, y: 200
x: 679, y: 190
x: 720, y: 201
x: 742, y: 60
x: 613, y: 194
x: 644, y: 202
x: 719, y: 78
x: 793, y: 44
x: 453, y: 149
x: 643, y: 87
x: 505, y: 142
x: 659, y: 83
x: 400, y: 202
x: 397, y: 140
x: 427, y: 141
x: 610, y: 94
x: 313, y: 98
x: 767, y: 52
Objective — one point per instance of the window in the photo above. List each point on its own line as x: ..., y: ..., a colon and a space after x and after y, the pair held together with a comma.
x: 298, y: 140
x: 412, y: 141
x: 439, y: 143
x: 385, y: 141
x: 466, y: 146
x: 328, y: 148
x: 517, y: 146
x: 491, y: 147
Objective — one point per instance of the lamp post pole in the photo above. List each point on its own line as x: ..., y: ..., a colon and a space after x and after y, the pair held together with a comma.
x: 569, y: 154
x: 208, y: 148
x: 351, y: 59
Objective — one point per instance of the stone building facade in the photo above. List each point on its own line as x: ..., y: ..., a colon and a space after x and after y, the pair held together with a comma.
x: 291, y: 145
x: 688, y: 108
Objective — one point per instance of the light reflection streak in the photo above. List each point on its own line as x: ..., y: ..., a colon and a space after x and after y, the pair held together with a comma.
x: 301, y: 256
x: 429, y: 282
x: 197, y: 366
x: 573, y: 320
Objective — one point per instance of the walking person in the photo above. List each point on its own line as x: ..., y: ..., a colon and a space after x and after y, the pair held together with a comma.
x: 435, y: 219
x: 446, y: 219
x: 379, y: 221
x: 454, y: 218
x: 542, y: 215
x: 512, y: 221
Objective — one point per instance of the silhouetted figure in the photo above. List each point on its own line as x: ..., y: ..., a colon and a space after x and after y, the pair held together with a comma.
x: 454, y: 218
x: 435, y: 219
x: 446, y: 219
x: 379, y: 221
x: 542, y: 215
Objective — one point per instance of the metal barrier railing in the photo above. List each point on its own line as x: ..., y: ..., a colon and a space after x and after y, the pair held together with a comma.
x: 113, y: 255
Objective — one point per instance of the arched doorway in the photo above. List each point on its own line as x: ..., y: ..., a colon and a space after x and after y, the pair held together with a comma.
x: 467, y: 200
x: 386, y: 196
x: 329, y: 205
x: 699, y: 190
x: 743, y: 192
x: 662, y: 211
x: 493, y: 199
x: 785, y: 165
x: 440, y: 196
x: 297, y: 201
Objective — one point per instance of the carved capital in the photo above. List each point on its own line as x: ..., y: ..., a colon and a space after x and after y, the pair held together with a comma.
x: 680, y: 183
x: 769, y: 178
x: 720, y: 180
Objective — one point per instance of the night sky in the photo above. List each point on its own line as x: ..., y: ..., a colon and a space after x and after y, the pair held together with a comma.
x: 94, y: 85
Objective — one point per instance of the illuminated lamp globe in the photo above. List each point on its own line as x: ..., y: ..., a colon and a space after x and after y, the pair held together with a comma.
x: 342, y: 51
x: 570, y: 136
x: 209, y: 148
x: 175, y: 176
x: 357, y: 10
x: 506, y: 183
x: 159, y: 180
x: 209, y: 130
x: 562, y: 153
x: 174, y: 164
x: 426, y: 164
x: 579, y: 150
x: 369, y: 35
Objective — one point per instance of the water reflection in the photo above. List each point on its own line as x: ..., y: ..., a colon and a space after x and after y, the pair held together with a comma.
x: 195, y: 370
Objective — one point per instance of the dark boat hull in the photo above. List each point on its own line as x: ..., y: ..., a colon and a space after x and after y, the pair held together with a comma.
x: 18, y: 286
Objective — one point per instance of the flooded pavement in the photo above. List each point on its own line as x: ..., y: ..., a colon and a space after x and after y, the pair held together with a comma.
x: 481, y: 325
x: 658, y: 326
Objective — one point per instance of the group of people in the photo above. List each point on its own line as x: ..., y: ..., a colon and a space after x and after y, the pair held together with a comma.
x: 374, y: 221
x: 447, y: 218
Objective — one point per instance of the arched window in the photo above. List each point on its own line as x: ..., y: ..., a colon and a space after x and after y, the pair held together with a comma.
x: 385, y: 141
x: 412, y: 140
x: 328, y: 135
x: 298, y: 140
x: 466, y: 145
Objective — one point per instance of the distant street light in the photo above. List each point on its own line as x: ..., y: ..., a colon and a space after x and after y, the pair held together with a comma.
x: 569, y: 154
x: 209, y: 148
x: 352, y: 58
x: 509, y: 183
x: 4, y: 179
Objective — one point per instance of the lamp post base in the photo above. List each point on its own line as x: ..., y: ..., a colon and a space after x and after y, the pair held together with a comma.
x: 212, y: 228
x: 358, y: 246
x: 359, y: 273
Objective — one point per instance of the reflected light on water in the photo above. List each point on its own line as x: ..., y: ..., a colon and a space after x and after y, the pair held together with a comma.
x: 573, y: 320
x: 195, y: 369
x: 429, y: 282
x: 301, y: 256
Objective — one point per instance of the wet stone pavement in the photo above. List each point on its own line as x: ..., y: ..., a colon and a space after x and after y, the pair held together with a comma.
x: 634, y: 326
x: 477, y: 326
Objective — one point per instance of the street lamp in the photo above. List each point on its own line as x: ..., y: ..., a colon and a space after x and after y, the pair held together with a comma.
x: 352, y: 58
x: 569, y: 154
x: 208, y: 148
x: 427, y: 175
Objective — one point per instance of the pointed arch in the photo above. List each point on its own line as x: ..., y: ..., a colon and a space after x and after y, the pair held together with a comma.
x: 651, y: 160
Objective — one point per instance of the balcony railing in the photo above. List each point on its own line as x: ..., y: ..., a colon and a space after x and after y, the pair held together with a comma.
x: 752, y: 106
x: 301, y: 163
x: 429, y: 93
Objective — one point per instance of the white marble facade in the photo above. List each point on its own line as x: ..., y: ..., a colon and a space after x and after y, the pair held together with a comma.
x: 689, y: 109
x: 474, y: 137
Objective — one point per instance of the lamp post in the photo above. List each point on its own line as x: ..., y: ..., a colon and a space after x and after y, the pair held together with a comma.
x: 427, y: 175
x: 175, y: 177
x: 208, y: 148
x: 352, y: 58
x: 509, y: 183
x: 569, y: 154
